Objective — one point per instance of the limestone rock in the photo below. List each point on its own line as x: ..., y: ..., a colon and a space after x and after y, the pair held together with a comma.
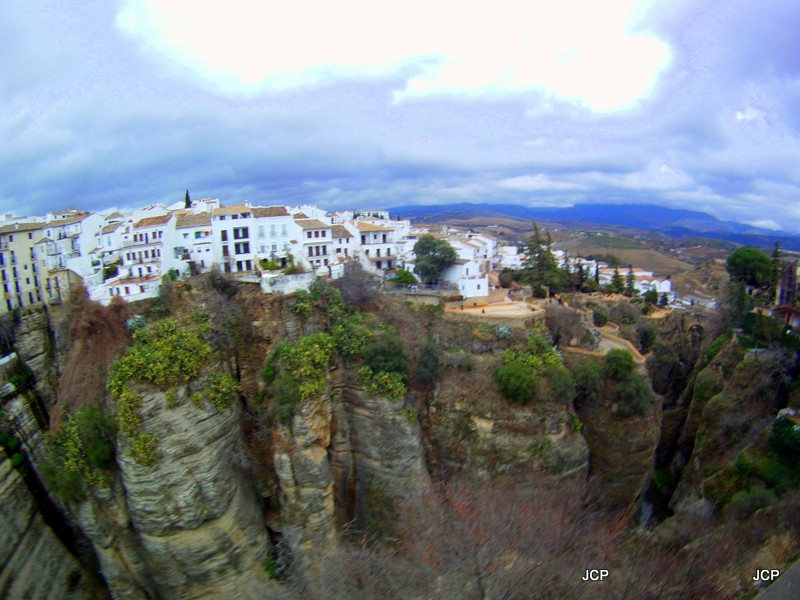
x: 189, y: 526
x: 33, y: 561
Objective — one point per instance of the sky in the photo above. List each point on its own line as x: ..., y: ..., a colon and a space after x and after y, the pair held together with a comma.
x: 690, y: 104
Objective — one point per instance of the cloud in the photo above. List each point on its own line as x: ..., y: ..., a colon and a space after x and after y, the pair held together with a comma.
x: 684, y: 104
x: 575, y: 50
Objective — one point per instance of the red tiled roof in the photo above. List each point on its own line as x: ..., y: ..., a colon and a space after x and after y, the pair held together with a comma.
x: 193, y: 220
x: 270, y: 211
x: 152, y: 221
x: 312, y: 224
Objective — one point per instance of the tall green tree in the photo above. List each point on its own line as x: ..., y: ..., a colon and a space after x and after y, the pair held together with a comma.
x: 187, y: 202
x: 617, y: 285
x: 433, y: 257
x: 630, y: 283
x: 750, y: 266
x: 777, y: 268
x: 540, y: 267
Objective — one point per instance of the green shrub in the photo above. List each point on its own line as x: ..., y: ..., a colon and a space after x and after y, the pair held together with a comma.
x: 285, y: 394
x: 516, y: 381
x: 386, y: 385
x: 647, y: 337
x: 599, y: 318
x: 221, y: 390
x: 402, y: 276
x: 588, y: 378
x: 302, y: 303
x: 143, y: 449
x: 618, y: 364
x: 351, y: 334
x: 269, y: 264
x: 385, y: 354
x: 80, y: 454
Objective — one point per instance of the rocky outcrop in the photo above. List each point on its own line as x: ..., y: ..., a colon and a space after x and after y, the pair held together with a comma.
x: 307, y: 501
x: 518, y: 442
x: 33, y: 561
x: 32, y: 345
x: 189, y: 526
x: 347, y: 455
x: 388, y: 463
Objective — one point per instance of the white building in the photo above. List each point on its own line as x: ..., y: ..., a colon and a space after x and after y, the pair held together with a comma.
x: 378, y: 250
x: 315, y: 242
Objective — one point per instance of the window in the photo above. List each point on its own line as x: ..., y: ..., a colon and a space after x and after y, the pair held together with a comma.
x: 272, y: 230
x: 240, y: 233
x: 309, y: 235
x: 261, y: 231
x: 30, y: 237
x: 242, y: 247
x: 225, y: 251
x: 224, y: 235
x: 283, y: 229
x: 316, y: 234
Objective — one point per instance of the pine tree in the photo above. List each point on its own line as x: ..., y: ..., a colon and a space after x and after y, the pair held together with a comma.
x: 187, y: 203
x: 630, y: 283
x: 617, y: 285
x: 777, y: 269
x: 540, y: 267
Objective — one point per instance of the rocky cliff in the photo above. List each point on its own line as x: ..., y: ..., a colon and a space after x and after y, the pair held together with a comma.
x: 33, y: 561
x: 188, y: 526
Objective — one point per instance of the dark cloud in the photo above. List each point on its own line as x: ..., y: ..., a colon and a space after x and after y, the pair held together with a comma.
x: 92, y: 120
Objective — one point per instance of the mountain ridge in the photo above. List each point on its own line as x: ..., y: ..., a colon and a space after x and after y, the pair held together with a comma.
x: 670, y: 221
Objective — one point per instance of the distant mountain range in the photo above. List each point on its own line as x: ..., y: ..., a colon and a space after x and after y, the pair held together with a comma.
x: 669, y: 221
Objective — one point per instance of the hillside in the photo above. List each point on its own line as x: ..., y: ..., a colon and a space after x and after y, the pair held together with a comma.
x: 348, y: 443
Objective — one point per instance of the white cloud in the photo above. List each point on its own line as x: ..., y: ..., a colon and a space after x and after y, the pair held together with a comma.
x: 765, y: 224
x: 575, y: 50
x: 540, y: 182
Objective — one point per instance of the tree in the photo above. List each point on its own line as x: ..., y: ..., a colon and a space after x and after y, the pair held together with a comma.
x: 777, y: 268
x: 385, y: 354
x: 750, y: 266
x: 630, y: 283
x: 588, y: 377
x: 664, y: 300
x: 540, y: 267
x: 618, y: 364
x: 565, y: 324
x: 359, y: 288
x: 187, y: 203
x: 429, y: 365
x: 651, y: 296
x: 433, y: 257
x: 617, y: 285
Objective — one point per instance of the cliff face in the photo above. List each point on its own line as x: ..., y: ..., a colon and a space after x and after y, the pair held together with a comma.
x: 471, y: 429
x: 348, y: 455
x: 33, y: 561
x: 189, y: 526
